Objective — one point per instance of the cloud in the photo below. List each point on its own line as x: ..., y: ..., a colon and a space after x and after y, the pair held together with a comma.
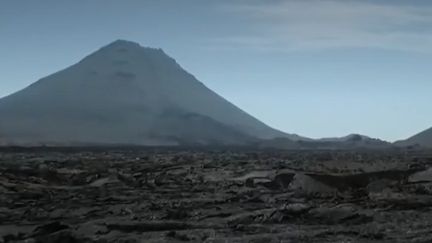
x: 323, y: 24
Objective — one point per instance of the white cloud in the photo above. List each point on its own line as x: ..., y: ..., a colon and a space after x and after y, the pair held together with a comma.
x: 321, y: 24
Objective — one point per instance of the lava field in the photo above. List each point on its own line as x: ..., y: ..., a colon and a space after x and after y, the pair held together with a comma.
x: 220, y: 195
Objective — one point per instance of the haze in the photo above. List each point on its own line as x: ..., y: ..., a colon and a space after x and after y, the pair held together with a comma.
x: 315, y: 68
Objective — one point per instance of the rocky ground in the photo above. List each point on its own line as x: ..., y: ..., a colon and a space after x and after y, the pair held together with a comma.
x: 161, y: 195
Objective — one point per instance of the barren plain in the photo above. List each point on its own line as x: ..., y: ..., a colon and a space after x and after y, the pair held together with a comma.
x: 214, y: 195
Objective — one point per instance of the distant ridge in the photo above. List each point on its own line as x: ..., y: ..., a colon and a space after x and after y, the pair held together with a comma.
x: 125, y: 94
x: 352, y: 141
x: 423, y: 139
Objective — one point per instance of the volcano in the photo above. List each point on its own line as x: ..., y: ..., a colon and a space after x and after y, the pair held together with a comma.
x: 125, y: 94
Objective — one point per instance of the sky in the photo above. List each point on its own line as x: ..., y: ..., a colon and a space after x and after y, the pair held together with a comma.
x: 318, y: 68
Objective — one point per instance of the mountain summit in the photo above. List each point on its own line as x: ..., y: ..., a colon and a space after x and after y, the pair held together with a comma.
x: 125, y: 94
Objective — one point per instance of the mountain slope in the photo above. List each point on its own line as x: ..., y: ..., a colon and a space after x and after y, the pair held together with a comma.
x: 125, y: 94
x: 423, y: 139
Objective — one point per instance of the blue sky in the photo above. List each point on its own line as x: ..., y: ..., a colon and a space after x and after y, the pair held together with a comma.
x: 318, y: 68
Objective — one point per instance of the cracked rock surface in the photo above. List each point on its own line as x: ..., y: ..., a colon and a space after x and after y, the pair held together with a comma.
x: 173, y: 195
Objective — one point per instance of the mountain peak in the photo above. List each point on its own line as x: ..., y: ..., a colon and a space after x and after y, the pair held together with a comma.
x: 122, y: 53
x: 124, y: 45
